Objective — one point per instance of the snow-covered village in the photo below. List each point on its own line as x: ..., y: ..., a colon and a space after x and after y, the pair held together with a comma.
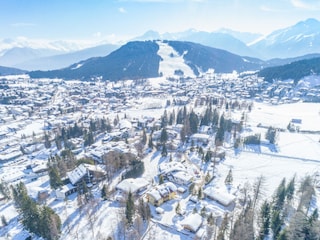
x: 159, y: 119
x: 165, y: 158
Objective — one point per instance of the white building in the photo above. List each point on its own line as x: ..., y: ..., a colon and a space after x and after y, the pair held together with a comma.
x: 65, y: 191
x: 135, y: 186
x: 221, y: 197
x: 192, y: 222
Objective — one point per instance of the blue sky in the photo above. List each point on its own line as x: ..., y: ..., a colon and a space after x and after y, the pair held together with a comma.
x: 117, y: 19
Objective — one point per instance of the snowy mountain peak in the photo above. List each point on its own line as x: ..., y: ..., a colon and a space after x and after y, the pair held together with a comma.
x: 297, y: 40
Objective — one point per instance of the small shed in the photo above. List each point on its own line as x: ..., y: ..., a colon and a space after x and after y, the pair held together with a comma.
x: 65, y: 191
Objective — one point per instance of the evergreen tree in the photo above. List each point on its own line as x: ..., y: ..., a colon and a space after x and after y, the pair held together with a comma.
x: 307, y: 191
x: 280, y: 195
x: 180, y: 118
x: 200, y: 193
x: 88, y: 138
x: 290, y: 189
x: 104, y: 192
x: 271, y: 135
x: 194, y: 122
x: 215, y: 118
x: 54, y: 178
x: 144, y: 210
x: 164, y: 151
x: 203, y: 212
x: 42, y: 221
x: 164, y: 136
x: 49, y: 224
x: 4, y: 220
x: 229, y: 178
x: 164, y: 119
x: 264, y: 220
x: 172, y: 118
x: 129, y: 211
x: 219, y: 139
x: 47, y: 142
x: 208, y: 156
x: 161, y: 179
x: 58, y: 142
x: 178, y: 208
x: 150, y: 142
x: 276, y: 223
x: 208, y: 116
x: 210, y: 219
x: 144, y: 137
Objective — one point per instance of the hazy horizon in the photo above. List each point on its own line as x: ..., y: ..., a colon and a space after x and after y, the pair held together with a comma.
x: 117, y: 20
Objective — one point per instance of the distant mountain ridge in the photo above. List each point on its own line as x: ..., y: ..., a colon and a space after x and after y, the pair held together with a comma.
x: 141, y: 60
x: 301, y: 39
x: 224, y: 40
x: 10, y: 71
x: 298, y: 40
x: 295, y: 70
x: 66, y: 59
x: 134, y: 60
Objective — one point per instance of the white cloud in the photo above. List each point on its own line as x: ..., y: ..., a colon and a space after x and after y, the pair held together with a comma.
x: 122, y: 10
x: 306, y: 4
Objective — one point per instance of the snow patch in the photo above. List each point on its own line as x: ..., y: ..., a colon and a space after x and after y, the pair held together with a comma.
x: 172, y: 61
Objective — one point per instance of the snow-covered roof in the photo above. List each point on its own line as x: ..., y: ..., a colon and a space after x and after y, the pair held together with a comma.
x: 162, y: 190
x: 165, y: 168
x: 192, y: 222
x: 76, y: 174
x: 200, y: 136
x: 66, y: 188
x: 80, y: 171
x: 125, y: 124
x: 93, y: 168
x: 184, y: 176
x: 222, y: 197
x: 133, y: 185
x: 155, y: 194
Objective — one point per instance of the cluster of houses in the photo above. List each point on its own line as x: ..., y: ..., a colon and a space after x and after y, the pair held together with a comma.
x: 52, y: 105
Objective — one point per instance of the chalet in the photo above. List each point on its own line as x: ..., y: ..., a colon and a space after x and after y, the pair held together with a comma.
x: 200, y: 138
x: 192, y: 222
x: 168, y: 167
x: 221, y: 197
x: 135, y: 186
x: 180, y: 177
x: 87, y: 172
x: 162, y: 193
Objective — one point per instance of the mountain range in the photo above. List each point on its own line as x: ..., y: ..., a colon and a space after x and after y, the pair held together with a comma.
x: 294, y: 41
x: 145, y: 59
x: 141, y: 59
